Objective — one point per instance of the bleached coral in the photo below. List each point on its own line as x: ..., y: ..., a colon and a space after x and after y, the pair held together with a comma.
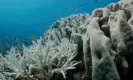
x: 102, y: 42
x: 37, y: 60
x: 65, y: 26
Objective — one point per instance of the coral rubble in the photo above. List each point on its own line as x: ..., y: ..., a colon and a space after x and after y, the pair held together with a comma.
x: 78, y: 47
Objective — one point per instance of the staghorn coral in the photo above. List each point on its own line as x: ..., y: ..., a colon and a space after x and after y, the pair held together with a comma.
x: 39, y: 62
x: 84, y: 47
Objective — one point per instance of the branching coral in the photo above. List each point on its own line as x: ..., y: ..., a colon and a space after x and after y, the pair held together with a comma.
x: 39, y: 62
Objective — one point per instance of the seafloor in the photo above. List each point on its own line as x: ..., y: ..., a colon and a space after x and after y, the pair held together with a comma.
x: 78, y: 47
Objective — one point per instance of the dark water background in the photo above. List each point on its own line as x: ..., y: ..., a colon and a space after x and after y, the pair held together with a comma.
x: 21, y: 19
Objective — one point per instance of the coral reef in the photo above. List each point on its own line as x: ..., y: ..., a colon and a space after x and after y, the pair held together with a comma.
x: 78, y: 47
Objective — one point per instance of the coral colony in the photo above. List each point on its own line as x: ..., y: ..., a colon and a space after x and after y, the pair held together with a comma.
x: 78, y: 47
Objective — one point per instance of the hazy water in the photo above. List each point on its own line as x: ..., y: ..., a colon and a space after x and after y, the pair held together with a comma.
x: 21, y: 19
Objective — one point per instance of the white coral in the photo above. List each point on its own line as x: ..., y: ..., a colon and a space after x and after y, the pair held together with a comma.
x: 41, y: 58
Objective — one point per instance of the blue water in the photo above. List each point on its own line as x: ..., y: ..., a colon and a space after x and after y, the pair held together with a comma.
x: 21, y: 19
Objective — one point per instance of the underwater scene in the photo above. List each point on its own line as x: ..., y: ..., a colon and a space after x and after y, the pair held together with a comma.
x: 66, y: 39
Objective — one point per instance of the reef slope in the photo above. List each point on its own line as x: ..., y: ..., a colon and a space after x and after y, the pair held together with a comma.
x: 78, y: 47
